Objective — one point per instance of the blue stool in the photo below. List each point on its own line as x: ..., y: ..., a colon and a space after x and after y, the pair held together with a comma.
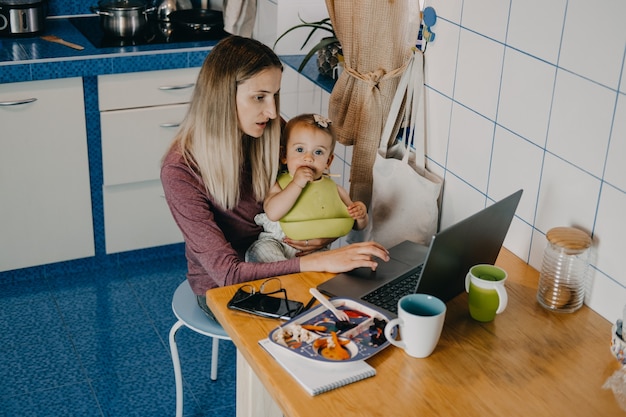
x: 189, y: 314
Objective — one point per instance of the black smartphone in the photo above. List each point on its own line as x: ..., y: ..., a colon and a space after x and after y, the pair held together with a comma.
x: 267, y: 306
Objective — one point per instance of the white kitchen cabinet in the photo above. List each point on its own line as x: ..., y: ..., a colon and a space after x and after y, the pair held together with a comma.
x: 45, y: 199
x: 139, y: 115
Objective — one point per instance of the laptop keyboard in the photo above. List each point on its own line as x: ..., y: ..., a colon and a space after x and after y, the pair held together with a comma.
x: 388, y: 295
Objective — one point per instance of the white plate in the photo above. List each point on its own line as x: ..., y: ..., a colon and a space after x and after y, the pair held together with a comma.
x: 364, y: 337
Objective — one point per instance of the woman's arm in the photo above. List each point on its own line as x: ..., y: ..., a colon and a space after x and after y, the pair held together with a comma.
x: 215, y: 254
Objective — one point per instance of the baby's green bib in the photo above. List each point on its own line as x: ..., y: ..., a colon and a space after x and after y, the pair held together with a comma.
x: 318, y: 212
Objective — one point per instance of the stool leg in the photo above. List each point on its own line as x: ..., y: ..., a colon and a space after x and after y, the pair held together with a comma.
x: 214, y: 352
x: 178, y: 376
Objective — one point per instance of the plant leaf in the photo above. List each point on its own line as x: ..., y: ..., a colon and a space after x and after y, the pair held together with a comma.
x: 315, y: 27
x: 324, y: 24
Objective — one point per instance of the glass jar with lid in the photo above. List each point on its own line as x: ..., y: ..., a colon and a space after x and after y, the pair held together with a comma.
x: 564, y: 269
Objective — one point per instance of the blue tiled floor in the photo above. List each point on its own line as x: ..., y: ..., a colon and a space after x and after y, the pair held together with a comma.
x: 96, y: 344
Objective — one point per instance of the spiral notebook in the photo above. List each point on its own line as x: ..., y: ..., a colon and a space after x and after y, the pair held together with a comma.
x: 317, y: 379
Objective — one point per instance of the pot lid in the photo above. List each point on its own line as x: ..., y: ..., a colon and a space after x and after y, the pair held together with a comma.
x: 121, y: 4
x: 569, y: 238
x: 19, y: 2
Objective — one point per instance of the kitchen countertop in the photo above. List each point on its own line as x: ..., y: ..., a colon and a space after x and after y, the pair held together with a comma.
x: 31, y: 58
x: 310, y: 71
x: 528, y: 362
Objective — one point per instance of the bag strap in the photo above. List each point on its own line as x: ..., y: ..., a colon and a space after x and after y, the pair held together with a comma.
x: 418, y: 120
x: 410, y: 90
x: 396, y: 106
x: 418, y: 115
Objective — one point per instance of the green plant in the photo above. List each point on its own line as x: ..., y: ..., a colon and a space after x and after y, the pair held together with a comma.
x: 324, y: 24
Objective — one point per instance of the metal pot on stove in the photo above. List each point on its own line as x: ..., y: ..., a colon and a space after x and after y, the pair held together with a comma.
x: 22, y: 17
x: 198, y: 22
x: 163, y: 8
x: 122, y: 18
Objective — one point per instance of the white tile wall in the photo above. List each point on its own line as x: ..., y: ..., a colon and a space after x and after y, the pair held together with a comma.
x: 593, y: 39
x: 289, y: 13
x: 478, y: 73
x: 444, y: 58
x: 544, y: 39
x: 438, y: 130
x: 610, y: 231
x: 537, y: 97
x: 581, y: 109
x: 524, y: 94
x: 274, y: 17
x: 615, y: 167
x: 527, y: 95
x: 265, y: 27
x: 487, y: 17
x: 515, y: 164
x: 469, y: 149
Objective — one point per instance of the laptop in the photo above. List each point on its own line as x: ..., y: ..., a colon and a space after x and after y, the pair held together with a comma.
x: 438, y: 269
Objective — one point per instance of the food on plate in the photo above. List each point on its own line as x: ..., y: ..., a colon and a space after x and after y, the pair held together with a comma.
x: 293, y: 336
x: 323, y: 342
x: 334, y: 350
x: 314, y: 327
x: 318, y: 335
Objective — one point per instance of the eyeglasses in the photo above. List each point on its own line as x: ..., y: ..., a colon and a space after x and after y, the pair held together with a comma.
x: 261, y: 302
x: 268, y: 287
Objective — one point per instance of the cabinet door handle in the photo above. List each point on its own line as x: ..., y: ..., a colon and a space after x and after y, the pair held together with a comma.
x: 18, y: 102
x: 169, y: 125
x: 176, y: 87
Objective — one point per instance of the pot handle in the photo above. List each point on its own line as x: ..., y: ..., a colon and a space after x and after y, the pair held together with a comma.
x: 97, y: 11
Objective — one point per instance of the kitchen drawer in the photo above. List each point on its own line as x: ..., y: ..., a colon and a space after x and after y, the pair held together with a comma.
x: 135, y: 140
x: 136, y: 216
x: 140, y: 89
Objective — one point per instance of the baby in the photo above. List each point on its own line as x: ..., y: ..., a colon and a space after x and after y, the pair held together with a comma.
x: 305, y: 203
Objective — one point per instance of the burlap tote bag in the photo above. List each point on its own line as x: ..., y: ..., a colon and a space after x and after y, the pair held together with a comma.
x: 405, y: 195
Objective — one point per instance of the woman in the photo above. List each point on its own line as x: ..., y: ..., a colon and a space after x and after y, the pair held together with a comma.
x: 221, y: 166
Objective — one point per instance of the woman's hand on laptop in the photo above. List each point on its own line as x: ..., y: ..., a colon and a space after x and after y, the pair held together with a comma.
x: 346, y: 258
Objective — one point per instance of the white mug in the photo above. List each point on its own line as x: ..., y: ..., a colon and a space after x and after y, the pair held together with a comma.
x: 420, y: 319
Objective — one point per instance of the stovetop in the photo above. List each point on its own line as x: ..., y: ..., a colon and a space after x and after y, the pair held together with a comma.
x: 155, y: 33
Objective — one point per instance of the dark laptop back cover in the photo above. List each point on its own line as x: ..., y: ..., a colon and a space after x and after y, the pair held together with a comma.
x: 451, y: 255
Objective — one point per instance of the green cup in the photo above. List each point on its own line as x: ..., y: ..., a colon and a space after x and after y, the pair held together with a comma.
x: 487, y: 295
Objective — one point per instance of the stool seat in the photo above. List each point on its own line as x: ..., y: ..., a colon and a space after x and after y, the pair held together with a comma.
x: 185, y: 307
x: 189, y: 314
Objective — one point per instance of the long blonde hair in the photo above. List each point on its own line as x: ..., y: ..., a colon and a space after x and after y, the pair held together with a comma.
x: 210, y: 139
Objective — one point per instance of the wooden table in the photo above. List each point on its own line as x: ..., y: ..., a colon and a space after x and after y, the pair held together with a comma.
x: 528, y: 362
